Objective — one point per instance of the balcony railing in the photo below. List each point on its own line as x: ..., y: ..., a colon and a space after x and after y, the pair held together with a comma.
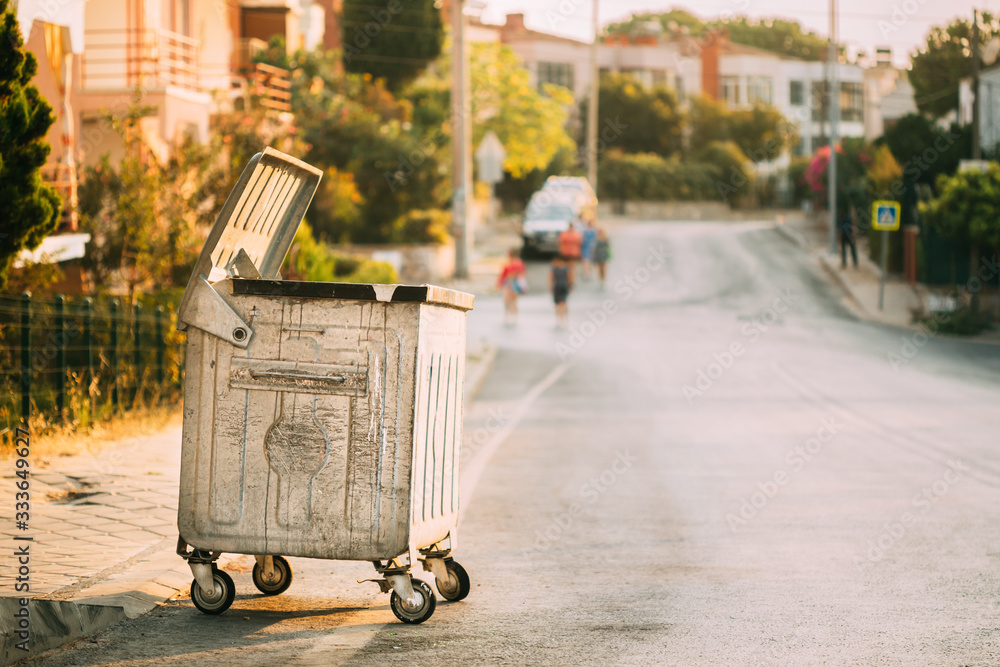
x: 147, y: 58
x: 272, y: 86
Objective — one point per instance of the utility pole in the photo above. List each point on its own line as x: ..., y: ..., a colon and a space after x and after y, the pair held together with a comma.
x: 834, y: 106
x: 976, y: 154
x: 595, y: 87
x: 461, y: 139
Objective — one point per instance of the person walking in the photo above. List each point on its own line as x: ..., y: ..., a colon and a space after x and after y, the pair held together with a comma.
x: 602, y: 253
x: 561, y: 282
x: 570, y: 244
x: 846, y: 226
x: 587, y: 248
x: 513, y: 283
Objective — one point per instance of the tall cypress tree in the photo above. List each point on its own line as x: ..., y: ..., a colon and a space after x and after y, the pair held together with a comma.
x: 29, y: 209
x: 395, y: 41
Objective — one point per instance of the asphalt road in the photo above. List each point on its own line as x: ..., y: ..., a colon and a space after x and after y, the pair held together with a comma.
x: 722, y: 468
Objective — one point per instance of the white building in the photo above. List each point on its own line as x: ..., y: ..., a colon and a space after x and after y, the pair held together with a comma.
x: 989, y: 107
x: 739, y: 75
x: 653, y: 58
x: 888, y: 95
x: 743, y: 76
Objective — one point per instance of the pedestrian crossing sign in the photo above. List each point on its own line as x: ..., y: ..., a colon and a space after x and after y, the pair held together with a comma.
x: 885, y: 216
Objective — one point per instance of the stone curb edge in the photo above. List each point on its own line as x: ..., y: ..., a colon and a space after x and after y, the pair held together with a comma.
x: 136, y: 591
x: 855, y: 303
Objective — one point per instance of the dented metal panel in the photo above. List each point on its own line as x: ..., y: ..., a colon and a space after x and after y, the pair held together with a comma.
x: 334, y: 434
x: 320, y: 420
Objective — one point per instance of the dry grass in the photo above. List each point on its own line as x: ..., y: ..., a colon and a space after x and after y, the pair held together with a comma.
x: 68, y: 441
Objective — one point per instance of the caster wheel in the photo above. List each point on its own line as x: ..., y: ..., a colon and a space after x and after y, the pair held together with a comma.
x: 218, y: 600
x: 421, y: 611
x: 282, y: 577
x: 457, y: 586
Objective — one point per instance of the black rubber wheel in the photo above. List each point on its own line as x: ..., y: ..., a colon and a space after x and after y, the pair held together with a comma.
x: 457, y: 586
x: 220, y: 599
x: 282, y: 581
x: 422, y: 611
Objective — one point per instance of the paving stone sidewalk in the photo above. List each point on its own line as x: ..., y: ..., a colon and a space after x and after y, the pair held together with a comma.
x: 104, y: 531
x: 90, y: 512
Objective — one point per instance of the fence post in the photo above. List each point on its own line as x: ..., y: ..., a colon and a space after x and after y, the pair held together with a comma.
x: 113, y: 322
x: 161, y: 345
x: 136, y: 357
x: 26, y: 357
x: 61, y: 356
x: 88, y: 348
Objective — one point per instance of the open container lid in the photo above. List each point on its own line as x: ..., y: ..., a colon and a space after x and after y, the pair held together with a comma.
x: 429, y: 294
x: 249, y: 239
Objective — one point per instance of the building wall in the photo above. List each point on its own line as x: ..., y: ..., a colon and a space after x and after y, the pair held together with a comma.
x: 989, y: 109
x: 888, y: 96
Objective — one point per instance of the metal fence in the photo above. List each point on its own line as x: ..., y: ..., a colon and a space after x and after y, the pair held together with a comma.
x: 79, y: 360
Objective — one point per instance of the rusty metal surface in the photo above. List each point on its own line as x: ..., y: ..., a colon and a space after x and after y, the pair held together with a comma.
x: 335, y: 434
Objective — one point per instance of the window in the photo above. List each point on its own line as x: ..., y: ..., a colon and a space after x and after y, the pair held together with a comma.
x: 852, y: 102
x: 560, y: 74
x: 659, y: 77
x: 820, y: 100
x: 758, y: 90
x: 796, y: 94
x: 729, y: 90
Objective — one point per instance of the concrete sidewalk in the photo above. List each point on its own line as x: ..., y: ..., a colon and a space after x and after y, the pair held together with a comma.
x: 860, y: 284
x: 103, y: 535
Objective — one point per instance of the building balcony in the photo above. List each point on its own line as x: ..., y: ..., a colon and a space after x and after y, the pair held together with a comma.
x: 151, y: 58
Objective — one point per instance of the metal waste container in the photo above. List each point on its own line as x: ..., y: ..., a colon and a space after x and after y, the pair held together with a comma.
x: 320, y: 419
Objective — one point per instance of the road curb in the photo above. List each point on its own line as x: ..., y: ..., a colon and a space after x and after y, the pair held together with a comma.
x: 846, y: 287
x: 789, y: 235
x: 57, y: 619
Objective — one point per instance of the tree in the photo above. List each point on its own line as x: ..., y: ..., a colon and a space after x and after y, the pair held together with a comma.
x: 31, y: 209
x: 530, y: 124
x: 394, y: 42
x: 967, y: 207
x: 924, y: 149
x: 946, y: 59
x: 641, y: 119
x: 761, y: 132
x: 853, y: 157
x: 674, y: 17
x: 777, y: 35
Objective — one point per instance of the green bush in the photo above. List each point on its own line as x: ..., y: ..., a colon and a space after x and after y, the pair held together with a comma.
x: 968, y: 320
x: 649, y: 177
x: 800, y: 190
x: 427, y: 226
x: 313, y: 260
x: 734, y: 175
